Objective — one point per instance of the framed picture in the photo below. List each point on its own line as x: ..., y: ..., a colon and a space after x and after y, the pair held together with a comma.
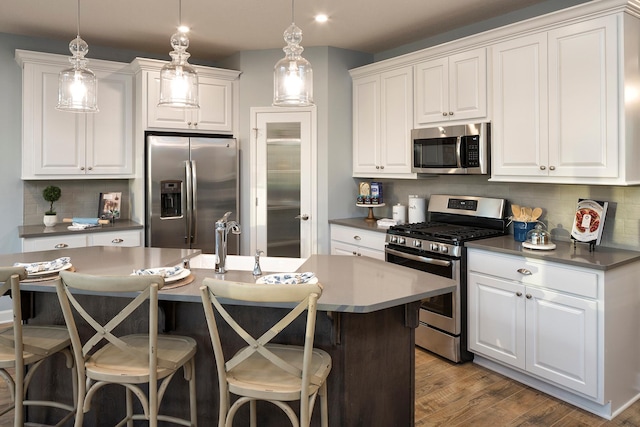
x: 109, y: 205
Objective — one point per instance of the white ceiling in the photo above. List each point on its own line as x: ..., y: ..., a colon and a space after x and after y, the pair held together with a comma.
x: 221, y: 28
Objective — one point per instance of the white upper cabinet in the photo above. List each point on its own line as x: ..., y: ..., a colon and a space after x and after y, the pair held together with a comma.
x: 217, y: 90
x: 382, y: 121
x: 563, y: 104
x: 451, y: 88
x: 63, y: 145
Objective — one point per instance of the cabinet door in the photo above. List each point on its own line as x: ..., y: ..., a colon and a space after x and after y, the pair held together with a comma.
x: 519, y: 133
x: 496, y: 310
x: 468, y: 85
x: 396, y: 88
x: 583, y: 99
x: 162, y: 117
x: 215, y: 112
x: 341, y: 248
x: 562, y: 339
x: 431, y: 101
x: 53, y: 141
x: 128, y: 238
x: 366, y: 125
x: 109, y: 143
x: 54, y: 242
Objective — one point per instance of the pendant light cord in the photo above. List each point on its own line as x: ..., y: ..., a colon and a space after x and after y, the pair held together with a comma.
x: 78, y: 20
x: 292, y: 11
x: 179, y: 13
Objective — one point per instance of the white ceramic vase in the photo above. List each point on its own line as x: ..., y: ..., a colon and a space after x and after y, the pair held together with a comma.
x: 50, y: 220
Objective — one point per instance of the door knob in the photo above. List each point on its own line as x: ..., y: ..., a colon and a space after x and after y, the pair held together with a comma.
x: 303, y: 217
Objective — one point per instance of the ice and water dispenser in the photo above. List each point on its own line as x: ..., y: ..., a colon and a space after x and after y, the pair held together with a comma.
x: 170, y: 199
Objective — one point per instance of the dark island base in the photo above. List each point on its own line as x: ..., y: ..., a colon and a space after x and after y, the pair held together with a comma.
x: 371, y: 382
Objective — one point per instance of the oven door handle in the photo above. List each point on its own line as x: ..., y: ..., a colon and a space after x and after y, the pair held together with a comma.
x: 424, y: 259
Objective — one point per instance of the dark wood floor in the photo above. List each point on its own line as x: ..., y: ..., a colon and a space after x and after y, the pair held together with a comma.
x: 470, y: 395
x: 450, y: 395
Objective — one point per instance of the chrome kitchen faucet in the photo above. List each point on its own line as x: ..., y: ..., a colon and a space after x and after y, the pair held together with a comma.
x: 223, y: 226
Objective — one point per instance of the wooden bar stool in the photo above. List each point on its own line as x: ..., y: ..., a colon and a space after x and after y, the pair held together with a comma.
x: 28, y: 346
x: 262, y: 371
x: 128, y: 360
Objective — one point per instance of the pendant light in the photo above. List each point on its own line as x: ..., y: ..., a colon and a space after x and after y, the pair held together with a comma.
x: 292, y: 75
x: 178, y: 79
x: 78, y: 86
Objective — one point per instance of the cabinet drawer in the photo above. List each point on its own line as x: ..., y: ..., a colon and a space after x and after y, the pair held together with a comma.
x: 356, y: 236
x: 54, y: 242
x: 121, y: 238
x: 538, y: 273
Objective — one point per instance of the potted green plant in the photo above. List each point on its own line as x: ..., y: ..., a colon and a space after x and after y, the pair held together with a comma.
x: 51, y: 194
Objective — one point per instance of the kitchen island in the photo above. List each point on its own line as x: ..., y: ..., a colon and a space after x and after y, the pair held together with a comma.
x: 366, y: 322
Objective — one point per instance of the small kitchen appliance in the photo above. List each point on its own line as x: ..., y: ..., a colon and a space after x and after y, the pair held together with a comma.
x: 438, y: 247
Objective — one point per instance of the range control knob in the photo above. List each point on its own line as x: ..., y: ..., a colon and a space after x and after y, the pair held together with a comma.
x: 444, y: 249
x: 417, y: 243
x: 393, y: 239
x: 401, y: 240
x: 434, y: 247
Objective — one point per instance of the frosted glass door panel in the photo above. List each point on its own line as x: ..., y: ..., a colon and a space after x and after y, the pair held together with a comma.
x: 283, y: 189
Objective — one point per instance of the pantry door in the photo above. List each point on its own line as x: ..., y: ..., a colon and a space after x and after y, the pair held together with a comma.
x: 283, y: 181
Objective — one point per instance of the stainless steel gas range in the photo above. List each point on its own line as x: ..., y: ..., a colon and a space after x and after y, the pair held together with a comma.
x: 437, y: 247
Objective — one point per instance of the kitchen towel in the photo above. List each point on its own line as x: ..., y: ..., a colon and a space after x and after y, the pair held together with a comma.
x: 42, y: 266
x: 287, y: 278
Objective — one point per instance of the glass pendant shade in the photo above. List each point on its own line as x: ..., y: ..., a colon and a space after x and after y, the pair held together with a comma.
x: 292, y: 75
x: 178, y: 79
x: 78, y: 86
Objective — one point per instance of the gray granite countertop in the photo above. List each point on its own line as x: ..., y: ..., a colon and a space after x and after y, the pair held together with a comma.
x: 603, y: 258
x: 351, y: 284
x: 358, y: 223
x: 29, y: 231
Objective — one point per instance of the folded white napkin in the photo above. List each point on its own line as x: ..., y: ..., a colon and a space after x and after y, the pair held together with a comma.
x: 41, y: 266
x: 287, y: 278
x: 160, y: 271
x: 386, y: 222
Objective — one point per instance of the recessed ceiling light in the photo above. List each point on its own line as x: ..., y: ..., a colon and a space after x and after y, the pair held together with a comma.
x: 322, y: 17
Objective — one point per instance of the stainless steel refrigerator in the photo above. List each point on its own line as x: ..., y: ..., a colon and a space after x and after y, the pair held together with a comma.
x: 191, y: 181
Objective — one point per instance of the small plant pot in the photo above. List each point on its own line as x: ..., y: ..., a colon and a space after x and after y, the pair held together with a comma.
x: 50, y: 220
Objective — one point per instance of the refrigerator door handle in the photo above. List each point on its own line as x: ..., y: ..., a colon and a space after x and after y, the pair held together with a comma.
x: 188, y: 222
x: 194, y: 195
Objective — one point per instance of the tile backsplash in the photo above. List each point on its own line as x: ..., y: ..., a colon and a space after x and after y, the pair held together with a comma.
x: 79, y: 198
x: 558, y: 202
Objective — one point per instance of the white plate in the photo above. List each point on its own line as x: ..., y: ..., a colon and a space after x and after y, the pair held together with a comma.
x: 181, y: 275
x: 261, y: 280
x: 546, y: 247
x: 44, y: 273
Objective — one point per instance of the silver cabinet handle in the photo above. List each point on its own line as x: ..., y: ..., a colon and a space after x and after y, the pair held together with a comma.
x: 519, y: 294
x: 303, y: 217
x: 444, y: 113
x: 543, y: 167
x: 451, y: 113
x: 117, y: 240
x: 552, y: 168
x: 81, y: 168
x: 90, y: 168
x: 528, y: 296
x: 354, y: 253
x: 356, y: 237
x: 61, y: 246
x: 382, y: 167
x: 524, y: 271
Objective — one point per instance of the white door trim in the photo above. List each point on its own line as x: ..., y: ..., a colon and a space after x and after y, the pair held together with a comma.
x: 308, y: 162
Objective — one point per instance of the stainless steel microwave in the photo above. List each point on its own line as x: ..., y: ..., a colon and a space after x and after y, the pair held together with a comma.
x: 459, y: 149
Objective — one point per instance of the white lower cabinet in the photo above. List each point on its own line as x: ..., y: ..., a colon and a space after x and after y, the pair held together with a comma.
x: 566, y: 330
x: 357, y: 242
x: 128, y: 238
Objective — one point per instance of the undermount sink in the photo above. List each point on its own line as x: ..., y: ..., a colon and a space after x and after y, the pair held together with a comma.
x: 246, y: 263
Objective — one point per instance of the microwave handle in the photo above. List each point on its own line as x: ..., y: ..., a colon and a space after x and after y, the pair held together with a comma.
x: 461, y: 152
